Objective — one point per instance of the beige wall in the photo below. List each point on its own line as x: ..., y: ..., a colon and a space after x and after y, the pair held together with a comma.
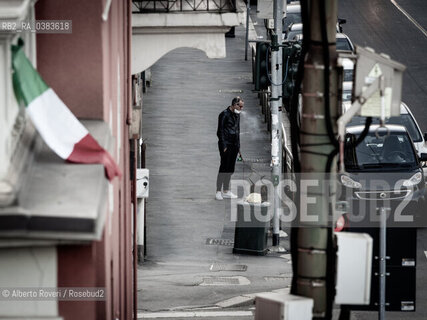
x: 28, y: 268
x: 74, y: 61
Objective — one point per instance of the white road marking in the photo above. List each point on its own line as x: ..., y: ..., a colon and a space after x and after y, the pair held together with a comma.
x: 407, y: 15
x: 236, y: 301
x: 425, y: 253
x: 194, y: 314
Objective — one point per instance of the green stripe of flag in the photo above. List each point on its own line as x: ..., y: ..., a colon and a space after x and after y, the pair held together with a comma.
x: 27, y: 82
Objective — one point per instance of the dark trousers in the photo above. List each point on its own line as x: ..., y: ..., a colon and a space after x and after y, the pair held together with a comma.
x: 226, y: 169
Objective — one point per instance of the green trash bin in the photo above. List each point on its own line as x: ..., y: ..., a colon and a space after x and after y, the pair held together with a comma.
x: 252, y: 223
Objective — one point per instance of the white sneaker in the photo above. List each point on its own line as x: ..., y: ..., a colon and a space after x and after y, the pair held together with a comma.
x: 229, y: 195
x: 218, y: 196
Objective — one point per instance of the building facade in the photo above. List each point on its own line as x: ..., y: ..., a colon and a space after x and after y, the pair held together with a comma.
x: 62, y: 224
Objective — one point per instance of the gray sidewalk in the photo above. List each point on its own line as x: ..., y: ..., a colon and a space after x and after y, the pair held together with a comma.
x: 180, y: 114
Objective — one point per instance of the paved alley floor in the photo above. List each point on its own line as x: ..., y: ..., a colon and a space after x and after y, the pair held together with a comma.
x: 182, y: 271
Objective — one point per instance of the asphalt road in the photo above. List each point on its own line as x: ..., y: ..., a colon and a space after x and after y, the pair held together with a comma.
x: 380, y: 25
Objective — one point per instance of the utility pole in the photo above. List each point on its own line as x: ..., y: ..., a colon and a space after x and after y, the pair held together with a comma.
x: 248, y: 11
x: 316, y: 256
x: 276, y: 114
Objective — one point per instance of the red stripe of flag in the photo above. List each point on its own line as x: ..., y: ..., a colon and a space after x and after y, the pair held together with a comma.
x: 87, y: 150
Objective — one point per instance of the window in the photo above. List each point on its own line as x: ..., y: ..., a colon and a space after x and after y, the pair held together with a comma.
x: 405, y: 120
x: 391, y: 151
x: 343, y: 45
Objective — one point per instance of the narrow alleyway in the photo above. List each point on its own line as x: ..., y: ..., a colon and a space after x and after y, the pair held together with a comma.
x: 180, y: 114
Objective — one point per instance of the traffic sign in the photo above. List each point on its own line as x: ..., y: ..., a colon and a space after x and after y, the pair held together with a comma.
x: 371, y: 66
x: 372, y: 107
x: 265, y: 9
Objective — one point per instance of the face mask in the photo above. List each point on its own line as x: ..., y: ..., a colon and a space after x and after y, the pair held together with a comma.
x: 237, y: 111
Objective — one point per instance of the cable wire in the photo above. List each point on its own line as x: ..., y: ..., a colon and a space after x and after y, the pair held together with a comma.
x: 330, y: 263
x: 268, y: 72
x: 295, y: 134
x: 326, y: 74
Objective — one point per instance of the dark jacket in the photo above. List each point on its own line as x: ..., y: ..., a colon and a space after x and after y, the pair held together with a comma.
x: 228, y: 131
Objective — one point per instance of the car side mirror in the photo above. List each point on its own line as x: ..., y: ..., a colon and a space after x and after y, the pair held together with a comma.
x: 425, y: 136
x: 342, y: 21
x: 423, y: 157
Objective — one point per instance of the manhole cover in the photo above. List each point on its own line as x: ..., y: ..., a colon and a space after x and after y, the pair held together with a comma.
x: 227, y: 267
x: 218, y: 280
x: 228, y: 233
x: 225, y: 281
x: 219, y: 242
x: 257, y: 160
x: 231, y: 91
x: 276, y: 278
x: 228, y: 230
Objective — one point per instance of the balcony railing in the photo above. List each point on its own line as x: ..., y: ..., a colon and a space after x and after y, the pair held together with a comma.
x: 158, y: 6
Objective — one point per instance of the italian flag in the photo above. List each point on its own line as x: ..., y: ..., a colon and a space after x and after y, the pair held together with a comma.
x: 58, y: 127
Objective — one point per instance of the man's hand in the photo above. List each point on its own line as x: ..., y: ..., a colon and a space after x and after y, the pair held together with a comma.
x: 225, y: 149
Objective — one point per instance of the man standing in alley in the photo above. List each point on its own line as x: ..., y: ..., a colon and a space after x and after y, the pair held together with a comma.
x: 229, y: 144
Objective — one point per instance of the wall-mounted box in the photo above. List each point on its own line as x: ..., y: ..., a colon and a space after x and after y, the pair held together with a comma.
x: 354, y: 262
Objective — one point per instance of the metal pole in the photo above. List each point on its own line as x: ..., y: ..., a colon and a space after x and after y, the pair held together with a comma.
x: 383, y: 257
x: 135, y: 231
x: 276, y: 115
x: 248, y: 10
x: 383, y: 227
x: 318, y: 139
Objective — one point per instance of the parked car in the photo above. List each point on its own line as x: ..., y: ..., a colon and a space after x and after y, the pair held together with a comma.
x: 347, y: 88
x: 293, y: 30
x: 293, y: 15
x: 382, y: 171
x: 298, y: 37
x: 344, y: 43
x: 405, y: 119
x: 347, y: 92
x: 348, y: 66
